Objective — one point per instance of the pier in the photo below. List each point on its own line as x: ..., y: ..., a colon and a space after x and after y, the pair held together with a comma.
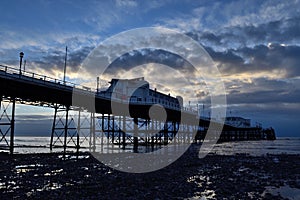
x: 77, y: 125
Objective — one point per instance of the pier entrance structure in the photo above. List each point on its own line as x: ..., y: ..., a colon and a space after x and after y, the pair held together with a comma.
x: 121, y: 117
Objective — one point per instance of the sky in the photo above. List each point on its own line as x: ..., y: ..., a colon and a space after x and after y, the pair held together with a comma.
x: 255, y: 45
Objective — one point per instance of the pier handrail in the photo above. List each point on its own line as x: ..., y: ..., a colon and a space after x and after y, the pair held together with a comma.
x: 34, y: 77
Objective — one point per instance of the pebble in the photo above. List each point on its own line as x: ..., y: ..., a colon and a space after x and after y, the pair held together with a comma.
x: 213, y: 177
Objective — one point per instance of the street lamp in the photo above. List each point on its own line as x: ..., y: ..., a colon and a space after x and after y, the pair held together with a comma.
x: 98, y: 79
x: 65, y: 67
x: 21, y: 58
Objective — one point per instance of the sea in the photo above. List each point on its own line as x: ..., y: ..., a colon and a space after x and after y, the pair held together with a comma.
x: 282, y: 145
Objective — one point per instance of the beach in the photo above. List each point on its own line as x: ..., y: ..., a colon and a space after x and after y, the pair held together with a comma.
x: 81, y: 176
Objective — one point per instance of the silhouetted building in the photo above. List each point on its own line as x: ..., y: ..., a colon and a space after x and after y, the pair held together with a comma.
x: 238, y: 122
x: 138, y: 90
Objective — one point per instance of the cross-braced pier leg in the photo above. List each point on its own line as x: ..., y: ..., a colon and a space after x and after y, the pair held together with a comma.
x: 64, y: 132
x: 7, y: 123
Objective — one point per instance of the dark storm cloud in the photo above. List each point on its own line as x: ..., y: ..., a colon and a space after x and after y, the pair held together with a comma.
x: 77, y: 57
x: 255, y: 48
x: 225, y: 57
x: 33, y: 125
x: 263, y: 90
x: 55, y: 59
x: 275, y: 56
x: 271, y: 49
x: 205, y: 36
x: 31, y: 118
x: 260, y: 58
x: 280, y: 31
x: 51, y: 60
x: 274, y: 96
x: 144, y: 56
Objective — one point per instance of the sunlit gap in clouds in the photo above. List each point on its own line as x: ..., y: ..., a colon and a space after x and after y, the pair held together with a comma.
x: 163, y: 78
x: 166, y: 72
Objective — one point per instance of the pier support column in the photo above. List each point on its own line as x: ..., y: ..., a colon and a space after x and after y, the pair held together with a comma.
x: 160, y: 130
x: 166, y: 136
x: 12, y: 128
x: 102, y: 132
x: 93, y: 132
x: 66, y: 128
x: 7, y: 123
x: 135, y: 135
x: 156, y: 131
x: 78, y: 132
x: 174, y: 132
x: 119, y: 131
x: 124, y: 132
x: 53, y: 127
x: 113, y: 130
x: 152, y: 134
x: 108, y: 128
x: 90, y: 135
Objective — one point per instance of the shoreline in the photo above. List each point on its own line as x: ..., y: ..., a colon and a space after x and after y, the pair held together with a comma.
x: 239, y: 176
x: 284, y: 145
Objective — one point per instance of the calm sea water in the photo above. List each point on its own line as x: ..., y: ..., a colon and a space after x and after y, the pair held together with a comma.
x: 288, y: 145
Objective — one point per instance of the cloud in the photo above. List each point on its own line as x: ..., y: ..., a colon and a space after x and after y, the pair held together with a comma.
x: 33, y: 118
x: 285, y: 32
x: 183, y: 23
x: 218, y: 15
x: 261, y: 13
x: 52, y: 64
x: 126, y: 3
x: 143, y: 56
x: 46, y: 55
x: 264, y: 90
x: 267, y: 59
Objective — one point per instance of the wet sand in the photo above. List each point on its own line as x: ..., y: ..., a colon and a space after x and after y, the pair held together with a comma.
x: 241, y: 176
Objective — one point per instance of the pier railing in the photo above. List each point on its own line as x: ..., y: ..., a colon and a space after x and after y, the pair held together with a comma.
x: 35, y: 77
x: 46, y: 80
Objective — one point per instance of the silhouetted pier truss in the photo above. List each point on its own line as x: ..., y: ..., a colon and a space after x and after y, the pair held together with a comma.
x: 82, y: 126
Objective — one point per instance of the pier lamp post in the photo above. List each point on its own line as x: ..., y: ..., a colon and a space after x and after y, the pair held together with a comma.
x: 21, y: 58
x: 98, y: 79
x: 65, y: 67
